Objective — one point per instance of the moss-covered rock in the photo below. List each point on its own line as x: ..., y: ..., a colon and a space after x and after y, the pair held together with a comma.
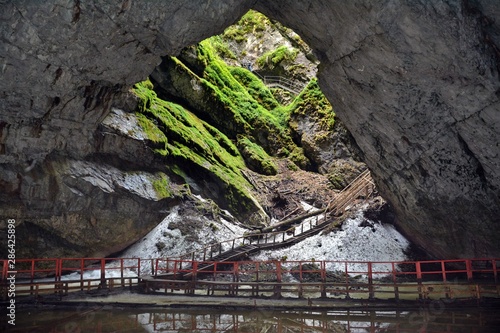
x: 231, y: 97
x: 281, y: 56
x: 205, y: 153
x: 255, y: 157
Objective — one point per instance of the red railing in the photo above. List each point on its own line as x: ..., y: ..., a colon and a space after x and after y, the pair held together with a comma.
x: 58, y: 275
x: 435, y: 270
x: 467, y: 278
x: 34, y: 276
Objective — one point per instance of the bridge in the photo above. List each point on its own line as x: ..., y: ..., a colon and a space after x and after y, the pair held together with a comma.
x: 288, y: 232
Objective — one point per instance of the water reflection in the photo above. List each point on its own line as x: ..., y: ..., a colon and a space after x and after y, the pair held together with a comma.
x: 107, y: 319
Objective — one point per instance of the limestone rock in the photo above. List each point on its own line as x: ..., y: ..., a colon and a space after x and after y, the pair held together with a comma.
x: 416, y: 83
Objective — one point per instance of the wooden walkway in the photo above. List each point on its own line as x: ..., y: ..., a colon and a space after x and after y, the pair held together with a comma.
x: 412, y: 281
x: 397, y: 281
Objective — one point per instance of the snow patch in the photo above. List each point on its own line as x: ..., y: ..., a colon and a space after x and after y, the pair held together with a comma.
x: 376, y: 242
x: 165, y: 241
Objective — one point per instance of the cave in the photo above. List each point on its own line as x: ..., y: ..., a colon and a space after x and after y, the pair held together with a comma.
x: 415, y: 83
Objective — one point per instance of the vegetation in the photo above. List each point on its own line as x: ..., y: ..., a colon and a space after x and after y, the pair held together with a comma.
x: 256, y: 157
x: 255, y: 87
x: 193, y: 143
x: 252, y: 22
x: 162, y: 186
x: 274, y: 58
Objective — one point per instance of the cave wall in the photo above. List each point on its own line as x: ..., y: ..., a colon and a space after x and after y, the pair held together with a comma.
x: 415, y: 82
x: 63, y: 65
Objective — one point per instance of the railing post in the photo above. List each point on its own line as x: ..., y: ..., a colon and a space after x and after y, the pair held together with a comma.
x: 421, y: 293
x: 418, y: 271
x: 370, y: 281
x: 59, y: 273
x: 277, y: 286
x: 194, y: 266
x: 138, y: 268
x: 103, y: 273
x: 346, y: 272
x: 121, y: 273
x: 300, y: 271
x: 82, y: 266
x: 468, y: 266
x: 33, y: 270
x: 396, y: 288
x: 443, y: 270
x: 236, y: 271
x: 323, y: 278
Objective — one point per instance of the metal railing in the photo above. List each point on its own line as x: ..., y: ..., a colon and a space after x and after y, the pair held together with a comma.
x: 62, y: 275
x: 292, y: 86
x: 411, y: 280
x: 404, y: 280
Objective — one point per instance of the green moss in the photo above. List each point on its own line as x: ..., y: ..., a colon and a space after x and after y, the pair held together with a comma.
x: 162, y: 186
x: 221, y: 48
x: 151, y: 129
x: 256, y: 158
x: 255, y: 87
x: 197, y: 146
x: 244, y: 101
x: 297, y: 156
x: 273, y: 58
x: 252, y: 22
x: 312, y: 102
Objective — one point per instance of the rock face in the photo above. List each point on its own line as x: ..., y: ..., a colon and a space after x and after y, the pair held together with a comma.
x: 63, y: 65
x: 416, y: 84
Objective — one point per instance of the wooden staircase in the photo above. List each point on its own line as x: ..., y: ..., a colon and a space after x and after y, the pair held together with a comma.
x: 361, y: 187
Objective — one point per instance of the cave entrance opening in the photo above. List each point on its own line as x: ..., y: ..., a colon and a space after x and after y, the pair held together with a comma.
x: 242, y: 109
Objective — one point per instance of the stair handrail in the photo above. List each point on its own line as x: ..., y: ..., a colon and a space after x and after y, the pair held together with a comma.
x: 343, y: 199
x: 264, y: 238
x: 291, y: 85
